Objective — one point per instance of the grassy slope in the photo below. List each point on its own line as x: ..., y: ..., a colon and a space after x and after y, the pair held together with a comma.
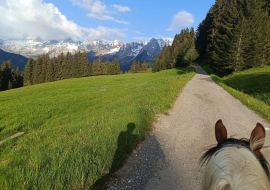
x: 76, y: 129
x: 251, y: 87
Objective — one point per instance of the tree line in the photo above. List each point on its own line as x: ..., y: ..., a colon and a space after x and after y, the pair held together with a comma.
x: 8, y: 77
x: 137, y: 67
x: 181, y: 53
x: 44, y: 69
x: 235, y: 35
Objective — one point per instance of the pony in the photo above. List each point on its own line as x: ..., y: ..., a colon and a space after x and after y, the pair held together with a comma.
x: 236, y: 164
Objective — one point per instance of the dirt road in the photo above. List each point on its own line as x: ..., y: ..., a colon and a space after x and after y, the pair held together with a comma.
x: 168, y: 158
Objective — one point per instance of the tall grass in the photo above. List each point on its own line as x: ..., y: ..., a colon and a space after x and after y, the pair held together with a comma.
x: 251, y: 87
x: 76, y: 130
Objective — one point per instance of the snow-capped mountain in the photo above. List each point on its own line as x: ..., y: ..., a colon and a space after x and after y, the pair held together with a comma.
x: 139, y: 51
x: 125, y: 52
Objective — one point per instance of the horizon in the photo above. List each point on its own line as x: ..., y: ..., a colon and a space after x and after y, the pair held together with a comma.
x: 75, y: 41
x: 99, y: 19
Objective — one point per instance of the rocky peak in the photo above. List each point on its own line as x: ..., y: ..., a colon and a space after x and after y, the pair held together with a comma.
x: 116, y: 43
x: 69, y: 40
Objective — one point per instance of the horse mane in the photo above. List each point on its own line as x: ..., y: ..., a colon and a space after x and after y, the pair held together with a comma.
x: 245, y: 143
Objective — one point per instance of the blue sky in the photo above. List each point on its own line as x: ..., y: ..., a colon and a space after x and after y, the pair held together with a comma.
x: 127, y: 20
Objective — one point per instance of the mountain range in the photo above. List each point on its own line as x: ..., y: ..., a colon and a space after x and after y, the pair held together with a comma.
x: 124, y: 52
x: 17, y: 60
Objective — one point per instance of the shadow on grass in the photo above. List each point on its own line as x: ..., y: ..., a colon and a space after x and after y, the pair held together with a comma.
x: 1, y: 129
x: 125, y: 144
x: 254, y: 84
x: 250, y: 83
x: 184, y: 70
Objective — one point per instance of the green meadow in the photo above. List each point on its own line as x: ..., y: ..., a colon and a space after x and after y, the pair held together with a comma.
x: 251, y: 87
x: 78, y: 130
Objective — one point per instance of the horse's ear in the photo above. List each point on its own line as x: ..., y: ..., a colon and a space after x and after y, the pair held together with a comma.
x: 220, y: 132
x: 257, y: 139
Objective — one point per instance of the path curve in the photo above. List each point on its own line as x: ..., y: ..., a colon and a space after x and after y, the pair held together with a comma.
x: 168, y: 158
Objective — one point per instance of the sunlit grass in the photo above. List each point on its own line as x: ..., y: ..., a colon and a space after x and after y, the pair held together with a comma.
x: 72, y: 127
x: 251, y: 87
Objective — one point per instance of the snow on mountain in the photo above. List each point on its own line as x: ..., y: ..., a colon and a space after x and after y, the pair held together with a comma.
x: 125, y: 52
x: 116, y: 43
x: 69, y: 40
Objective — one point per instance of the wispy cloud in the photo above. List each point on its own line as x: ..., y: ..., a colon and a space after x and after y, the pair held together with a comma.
x: 142, y: 38
x: 122, y: 9
x: 137, y: 32
x: 165, y: 38
x: 122, y: 22
x: 182, y: 18
x: 99, y: 10
x: 34, y: 18
x: 149, y: 38
x: 100, y: 17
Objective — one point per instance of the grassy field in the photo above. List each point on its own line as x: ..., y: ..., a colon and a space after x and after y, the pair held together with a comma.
x: 77, y: 130
x: 251, y: 87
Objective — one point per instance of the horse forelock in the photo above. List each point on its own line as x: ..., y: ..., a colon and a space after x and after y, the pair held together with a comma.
x: 233, y: 162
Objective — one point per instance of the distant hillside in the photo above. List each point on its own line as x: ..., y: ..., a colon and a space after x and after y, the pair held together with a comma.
x: 17, y: 60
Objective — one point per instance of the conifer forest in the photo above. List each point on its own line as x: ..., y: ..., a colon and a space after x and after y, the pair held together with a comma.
x: 235, y: 35
x: 44, y: 69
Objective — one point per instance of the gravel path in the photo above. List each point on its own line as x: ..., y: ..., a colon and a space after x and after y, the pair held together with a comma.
x: 168, y: 158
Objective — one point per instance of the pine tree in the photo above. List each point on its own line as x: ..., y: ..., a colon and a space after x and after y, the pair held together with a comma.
x: 105, y: 68
x: 144, y: 66
x: 18, y: 79
x: 28, y: 72
x: 50, y: 72
x: 75, y: 67
x: 215, y: 16
x: 45, y: 63
x: 116, y: 66
x: 156, y: 67
x: 8, y: 75
x: 9, y: 85
x: 96, y: 66
x: 168, y: 58
x: 84, y: 64
x: 133, y: 67
x: 37, y: 71
x: 138, y: 67
x: 89, y: 69
x: 59, y: 71
x: 67, y: 67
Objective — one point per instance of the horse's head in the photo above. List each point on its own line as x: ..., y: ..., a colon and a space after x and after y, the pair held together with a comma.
x: 234, y: 163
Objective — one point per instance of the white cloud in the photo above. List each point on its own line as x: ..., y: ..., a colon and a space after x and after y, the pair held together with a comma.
x: 104, y: 33
x: 122, y: 21
x: 182, y: 18
x: 166, y: 38
x: 122, y: 9
x: 142, y: 38
x: 100, y: 17
x: 99, y: 10
x: 149, y: 38
x: 23, y: 19
x: 137, y: 32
